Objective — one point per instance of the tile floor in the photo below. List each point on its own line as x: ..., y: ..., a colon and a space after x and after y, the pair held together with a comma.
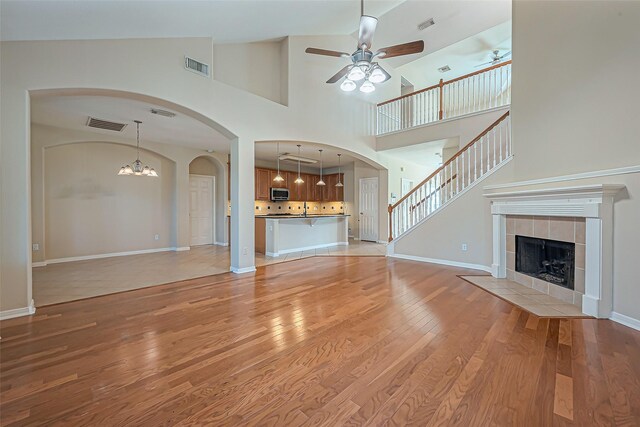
x: 70, y: 281
x: 526, y: 298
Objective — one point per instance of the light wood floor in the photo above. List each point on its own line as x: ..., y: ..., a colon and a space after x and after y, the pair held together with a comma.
x: 76, y: 280
x: 320, y: 341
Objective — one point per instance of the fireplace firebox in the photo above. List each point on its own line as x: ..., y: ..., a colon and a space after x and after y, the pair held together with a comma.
x: 549, y: 260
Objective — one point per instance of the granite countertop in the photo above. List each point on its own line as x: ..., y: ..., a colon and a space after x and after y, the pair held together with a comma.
x: 292, y: 216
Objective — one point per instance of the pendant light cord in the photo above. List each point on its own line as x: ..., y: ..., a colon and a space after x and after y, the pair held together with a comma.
x: 138, y: 139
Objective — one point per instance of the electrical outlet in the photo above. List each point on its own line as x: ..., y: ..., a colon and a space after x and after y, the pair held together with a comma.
x: 464, y: 247
x: 36, y: 247
x: 156, y: 237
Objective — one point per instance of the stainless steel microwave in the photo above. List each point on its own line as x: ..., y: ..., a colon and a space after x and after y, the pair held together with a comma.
x: 279, y: 194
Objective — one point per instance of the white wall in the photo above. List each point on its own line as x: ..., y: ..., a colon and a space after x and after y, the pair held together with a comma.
x: 570, y: 114
x: 162, y: 205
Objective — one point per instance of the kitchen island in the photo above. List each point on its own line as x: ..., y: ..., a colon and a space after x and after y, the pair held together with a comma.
x: 282, y: 234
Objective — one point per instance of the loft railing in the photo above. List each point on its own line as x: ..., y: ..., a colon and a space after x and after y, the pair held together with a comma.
x: 482, y: 90
x: 476, y: 159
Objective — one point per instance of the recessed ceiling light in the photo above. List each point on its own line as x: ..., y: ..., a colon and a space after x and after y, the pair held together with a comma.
x: 444, y: 69
x: 426, y: 24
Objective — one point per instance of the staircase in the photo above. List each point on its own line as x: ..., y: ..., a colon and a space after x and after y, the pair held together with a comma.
x: 479, y: 158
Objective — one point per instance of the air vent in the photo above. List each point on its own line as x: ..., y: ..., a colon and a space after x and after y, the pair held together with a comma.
x: 286, y: 157
x: 163, y: 113
x: 426, y: 24
x: 92, y: 122
x: 196, y: 66
x: 444, y: 69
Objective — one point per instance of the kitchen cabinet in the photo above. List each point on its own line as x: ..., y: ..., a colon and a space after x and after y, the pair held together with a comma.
x: 308, y: 191
x: 262, y: 184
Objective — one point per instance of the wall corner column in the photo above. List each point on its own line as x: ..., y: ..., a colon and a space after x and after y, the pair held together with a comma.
x: 242, y: 206
x: 499, y: 264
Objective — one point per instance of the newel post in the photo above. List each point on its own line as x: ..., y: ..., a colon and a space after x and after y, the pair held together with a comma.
x: 390, y: 209
x: 441, y: 86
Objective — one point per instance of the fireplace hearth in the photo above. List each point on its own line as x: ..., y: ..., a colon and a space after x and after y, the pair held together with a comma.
x: 549, y: 260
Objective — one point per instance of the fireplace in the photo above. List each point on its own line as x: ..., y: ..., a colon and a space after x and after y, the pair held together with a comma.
x: 549, y: 260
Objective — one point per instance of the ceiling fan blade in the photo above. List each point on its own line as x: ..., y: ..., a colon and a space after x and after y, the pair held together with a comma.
x: 367, y: 28
x: 325, y: 52
x: 505, y: 55
x: 485, y: 63
x: 401, y: 49
x: 340, y: 74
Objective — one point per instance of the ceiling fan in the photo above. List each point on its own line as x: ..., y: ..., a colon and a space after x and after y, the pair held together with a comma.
x: 363, y: 67
x: 495, y: 58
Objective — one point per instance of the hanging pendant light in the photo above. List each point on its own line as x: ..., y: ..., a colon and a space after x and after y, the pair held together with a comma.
x: 137, y: 168
x: 278, y: 177
x: 298, y: 179
x: 321, y: 182
x: 339, y: 184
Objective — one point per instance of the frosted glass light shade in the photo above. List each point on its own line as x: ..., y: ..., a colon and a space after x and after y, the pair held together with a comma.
x: 367, y: 87
x: 348, y: 85
x: 377, y: 76
x: 356, y: 74
x: 278, y: 178
x: 299, y: 180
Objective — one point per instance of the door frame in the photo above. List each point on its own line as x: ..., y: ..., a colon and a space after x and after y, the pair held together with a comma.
x: 376, y: 209
x: 213, y: 209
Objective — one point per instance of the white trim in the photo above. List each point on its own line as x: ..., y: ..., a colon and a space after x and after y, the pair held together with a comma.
x: 18, y: 312
x: 584, y: 175
x: 625, y: 320
x: 442, y: 262
x: 243, y: 270
x: 221, y: 244
x: 109, y: 255
x: 305, y: 248
x: 448, y: 119
x: 452, y: 200
x: 382, y: 242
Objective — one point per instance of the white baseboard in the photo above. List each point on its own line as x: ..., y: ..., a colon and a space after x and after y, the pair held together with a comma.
x: 306, y: 248
x: 443, y: 262
x: 626, y: 320
x: 383, y: 242
x: 109, y: 255
x: 221, y: 244
x: 18, y: 312
x: 243, y: 270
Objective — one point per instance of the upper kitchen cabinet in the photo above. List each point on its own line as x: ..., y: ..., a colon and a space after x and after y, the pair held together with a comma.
x: 263, y: 184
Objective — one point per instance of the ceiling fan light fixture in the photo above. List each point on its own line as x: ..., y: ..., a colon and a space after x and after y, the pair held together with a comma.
x: 367, y: 87
x: 356, y: 74
x: 348, y: 85
x: 377, y: 76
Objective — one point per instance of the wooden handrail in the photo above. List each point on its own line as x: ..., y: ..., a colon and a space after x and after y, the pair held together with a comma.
x: 442, y: 84
x: 445, y: 164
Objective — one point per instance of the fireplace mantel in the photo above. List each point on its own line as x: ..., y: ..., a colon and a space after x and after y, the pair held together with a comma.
x: 593, y: 202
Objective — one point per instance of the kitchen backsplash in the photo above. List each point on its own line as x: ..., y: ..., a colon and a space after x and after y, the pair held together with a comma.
x: 327, y: 208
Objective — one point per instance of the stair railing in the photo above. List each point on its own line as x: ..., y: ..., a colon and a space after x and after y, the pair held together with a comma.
x: 475, y: 160
x: 482, y: 90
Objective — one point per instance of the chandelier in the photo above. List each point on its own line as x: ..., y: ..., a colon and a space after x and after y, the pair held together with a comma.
x: 137, y: 168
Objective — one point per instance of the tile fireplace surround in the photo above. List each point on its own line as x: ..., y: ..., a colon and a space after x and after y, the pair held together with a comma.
x: 581, y: 215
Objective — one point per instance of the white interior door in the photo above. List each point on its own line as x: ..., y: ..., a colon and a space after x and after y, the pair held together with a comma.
x: 201, y: 209
x: 407, y: 185
x: 368, y: 209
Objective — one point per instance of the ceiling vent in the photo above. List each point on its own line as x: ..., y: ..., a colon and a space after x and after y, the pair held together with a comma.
x: 92, y: 122
x: 426, y: 24
x: 163, y: 113
x: 196, y: 66
x: 286, y: 157
x: 444, y: 69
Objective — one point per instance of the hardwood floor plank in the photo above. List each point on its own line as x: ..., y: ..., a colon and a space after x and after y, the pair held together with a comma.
x: 318, y: 341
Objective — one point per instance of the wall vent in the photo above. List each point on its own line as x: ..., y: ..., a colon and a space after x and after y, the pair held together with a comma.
x: 426, y: 24
x: 163, y: 113
x: 196, y: 66
x: 444, y: 69
x: 92, y: 122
